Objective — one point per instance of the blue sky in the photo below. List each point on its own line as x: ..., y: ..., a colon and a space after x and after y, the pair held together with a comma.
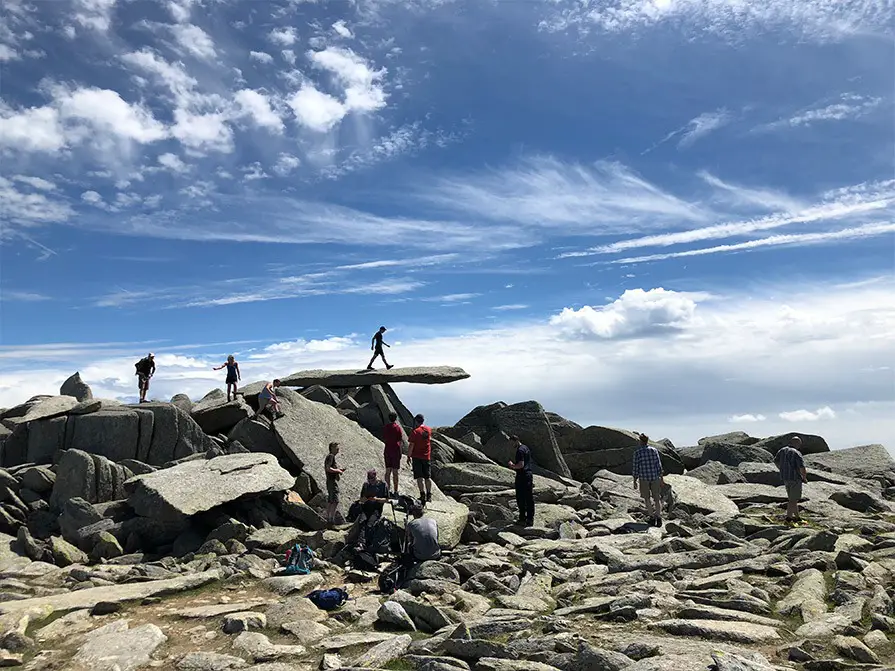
x: 675, y: 215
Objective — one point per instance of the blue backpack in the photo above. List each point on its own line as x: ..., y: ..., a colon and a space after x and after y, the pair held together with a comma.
x: 328, y: 599
x: 298, y: 560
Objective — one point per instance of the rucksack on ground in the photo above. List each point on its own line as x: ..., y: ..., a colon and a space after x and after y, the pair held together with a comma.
x: 299, y: 559
x: 328, y: 599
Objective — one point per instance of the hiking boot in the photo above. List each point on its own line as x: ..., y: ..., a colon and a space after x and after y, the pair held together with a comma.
x: 429, y: 497
x: 657, y: 521
x: 389, y: 366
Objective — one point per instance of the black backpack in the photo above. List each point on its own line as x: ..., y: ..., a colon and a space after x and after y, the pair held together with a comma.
x: 142, y: 366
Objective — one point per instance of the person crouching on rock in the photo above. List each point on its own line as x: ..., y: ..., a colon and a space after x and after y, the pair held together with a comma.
x: 233, y: 375
x: 647, y: 469
x: 393, y: 436
x: 268, y: 397
x: 333, y: 473
x: 145, y: 370
x: 376, y: 345
x: 420, y: 457
x: 525, y: 495
x: 373, y: 496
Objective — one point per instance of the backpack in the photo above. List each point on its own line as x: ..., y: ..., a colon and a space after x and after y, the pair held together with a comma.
x: 328, y: 599
x: 298, y: 559
x: 391, y: 579
x: 141, y: 366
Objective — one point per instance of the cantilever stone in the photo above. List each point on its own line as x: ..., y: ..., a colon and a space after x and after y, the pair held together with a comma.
x: 364, y: 378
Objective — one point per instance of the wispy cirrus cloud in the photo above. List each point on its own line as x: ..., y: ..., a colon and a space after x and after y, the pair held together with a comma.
x: 695, y: 129
x: 23, y: 296
x: 850, y: 106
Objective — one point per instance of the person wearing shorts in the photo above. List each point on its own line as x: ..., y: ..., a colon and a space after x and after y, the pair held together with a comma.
x: 145, y: 370
x: 792, y: 470
x: 393, y: 436
x: 376, y: 345
x: 420, y: 457
x: 233, y: 375
x: 333, y: 473
x: 268, y: 397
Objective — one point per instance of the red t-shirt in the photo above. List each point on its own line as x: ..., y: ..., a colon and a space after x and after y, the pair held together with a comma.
x: 421, y: 443
x: 393, y: 437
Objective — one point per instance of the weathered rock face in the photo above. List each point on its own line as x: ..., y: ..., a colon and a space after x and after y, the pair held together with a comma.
x: 811, y: 444
x: 731, y: 454
x: 75, y: 386
x: 598, y: 447
x: 215, y: 415
x: 732, y: 438
x: 693, y: 495
x: 365, y: 378
x: 87, y: 476
x: 162, y: 494
x: 866, y: 461
x: 482, y: 477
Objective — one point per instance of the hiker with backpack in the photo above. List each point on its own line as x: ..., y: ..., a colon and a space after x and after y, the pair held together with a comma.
x: 233, y: 375
x: 145, y: 369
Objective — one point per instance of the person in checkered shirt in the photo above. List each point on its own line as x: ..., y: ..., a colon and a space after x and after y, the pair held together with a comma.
x: 647, y: 471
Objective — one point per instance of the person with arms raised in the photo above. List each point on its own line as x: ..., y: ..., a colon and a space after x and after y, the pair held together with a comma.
x: 233, y: 375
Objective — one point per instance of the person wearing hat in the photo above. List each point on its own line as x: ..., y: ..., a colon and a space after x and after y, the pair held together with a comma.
x: 420, y: 457
x: 145, y: 370
x: 373, y: 495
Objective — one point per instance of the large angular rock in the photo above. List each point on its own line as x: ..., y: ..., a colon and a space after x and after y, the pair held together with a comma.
x: 45, y: 438
x: 87, y: 476
x: 599, y: 447
x: 257, y: 435
x: 736, y: 632
x: 174, y: 435
x: 865, y: 461
x: 529, y: 421
x: 482, y: 477
x: 75, y: 386
x: 695, y: 497
x: 733, y: 438
x: 731, y: 454
x: 114, y: 434
x: 52, y: 406
x: 215, y: 415
x: 162, y: 495
x: 307, y: 429
x: 366, y: 378
x: 811, y: 444
x: 115, y: 647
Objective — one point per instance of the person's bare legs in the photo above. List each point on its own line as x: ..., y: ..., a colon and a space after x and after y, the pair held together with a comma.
x: 420, y: 482
x: 428, y: 489
x: 395, y: 476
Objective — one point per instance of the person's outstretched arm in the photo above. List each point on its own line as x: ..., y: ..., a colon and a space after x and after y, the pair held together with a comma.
x: 219, y: 367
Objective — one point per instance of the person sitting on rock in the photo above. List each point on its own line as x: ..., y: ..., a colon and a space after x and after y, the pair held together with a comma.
x: 373, y: 496
x: 525, y: 497
x: 145, y: 370
x: 420, y: 457
x: 792, y: 470
x: 376, y: 345
x: 268, y: 397
x: 333, y: 473
x: 647, y: 469
x: 422, y: 536
x: 233, y: 375
x: 394, y: 439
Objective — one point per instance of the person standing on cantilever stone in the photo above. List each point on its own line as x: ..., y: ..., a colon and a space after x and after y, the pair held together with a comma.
x: 376, y: 345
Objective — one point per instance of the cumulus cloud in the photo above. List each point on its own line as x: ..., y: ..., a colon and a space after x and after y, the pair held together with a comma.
x: 825, y: 412
x: 316, y: 110
x: 740, y: 419
x: 195, y: 41
x: 261, y: 57
x: 636, y: 313
x: 257, y: 106
x: 283, y: 36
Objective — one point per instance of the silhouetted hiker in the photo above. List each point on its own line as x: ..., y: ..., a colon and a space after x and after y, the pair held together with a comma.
x: 393, y: 436
x: 647, y: 468
x: 525, y: 495
x: 420, y: 457
x: 333, y: 473
x: 233, y: 375
x: 376, y: 345
x: 792, y: 469
x: 145, y: 370
x: 268, y: 397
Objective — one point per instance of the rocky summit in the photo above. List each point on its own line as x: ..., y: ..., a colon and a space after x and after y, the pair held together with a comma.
x: 154, y: 536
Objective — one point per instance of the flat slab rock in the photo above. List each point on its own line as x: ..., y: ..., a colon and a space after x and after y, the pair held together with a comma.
x: 162, y: 495
x: 365, y: 378
x: 347, y: 640
x: 116, y: 647
x: 88, y: 598
x: 719, y: 630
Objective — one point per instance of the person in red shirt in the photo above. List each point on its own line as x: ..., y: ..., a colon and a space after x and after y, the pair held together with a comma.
x: 393, y: 436
x: 420, y: 457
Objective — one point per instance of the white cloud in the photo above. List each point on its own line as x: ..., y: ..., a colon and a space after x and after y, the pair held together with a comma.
x: 545, y: 192
x: 510, y: 306
x: 696, y: 128
x: 107, y: 112
x: 283, y: 36
x: 288, y: 56
x: 91, y: 197
x: 194, y: 40
x: 341, y: 29
x: 94, y: 14
x: 636, y: 313
x: 363, y: 91
x: 742, y: 419
x: 797, y: 239
x: 285, y: 164
x: 849, y: 107
x: 817, y: 20
x: 22, y: 296
x: 825, y: 412
x: 7, y: 53
x: 316, y: 110
x: 261, y: 57
x: 29, y: 209
x: 450, y: 298
x: 173, y: 163
x: 203, y: 132
x: 870, y: 199
x: 36, y: 129
x: 35, y: 182
x: 257, y: 106
x: 764, y: 198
